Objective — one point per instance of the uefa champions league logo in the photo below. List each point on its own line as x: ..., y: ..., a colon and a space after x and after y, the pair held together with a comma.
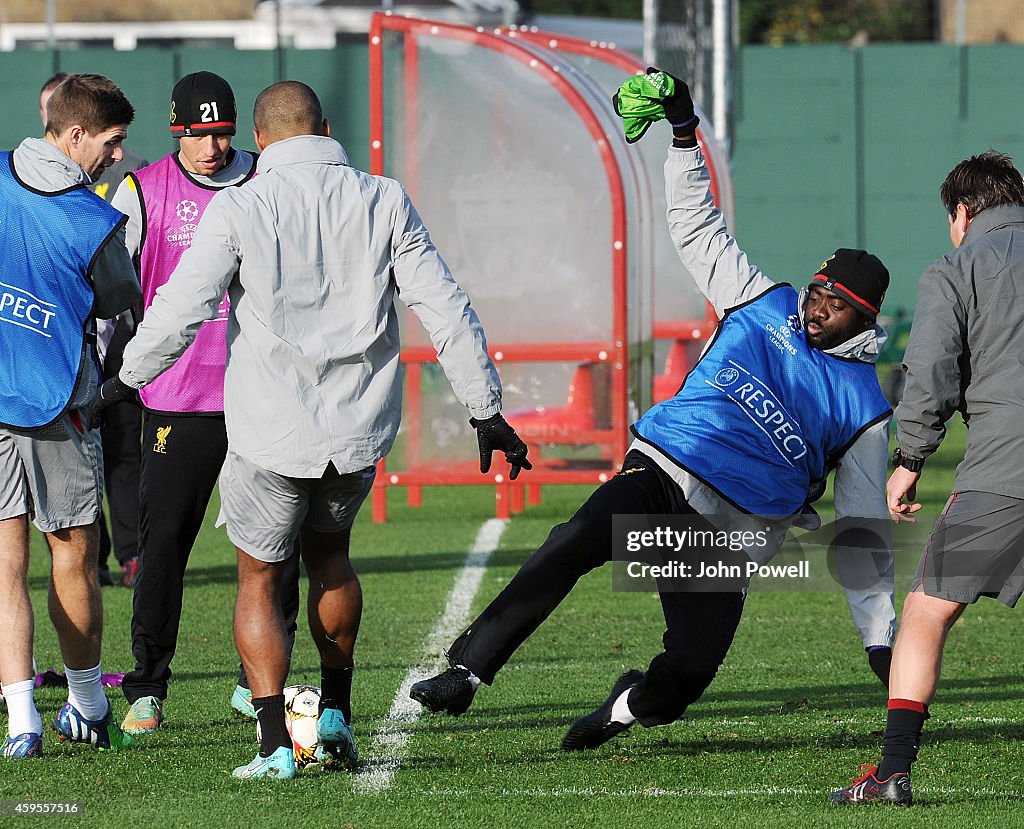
x: 727, y: 376
x: 187, y: 211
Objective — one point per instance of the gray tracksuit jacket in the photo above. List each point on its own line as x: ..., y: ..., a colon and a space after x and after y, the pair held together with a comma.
x: 313, y: 253
x: 966, y: 353
x: 727, y: 278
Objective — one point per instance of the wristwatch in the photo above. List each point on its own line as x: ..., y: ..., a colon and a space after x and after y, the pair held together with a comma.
x: 910, y: 464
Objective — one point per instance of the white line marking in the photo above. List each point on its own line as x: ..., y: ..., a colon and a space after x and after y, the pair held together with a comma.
x: 635, y: 793
x: 389, y: 744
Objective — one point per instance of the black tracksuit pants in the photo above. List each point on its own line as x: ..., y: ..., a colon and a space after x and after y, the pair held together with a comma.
x: 699, y: 627
x: 179, y: 473
x: 122, y: 424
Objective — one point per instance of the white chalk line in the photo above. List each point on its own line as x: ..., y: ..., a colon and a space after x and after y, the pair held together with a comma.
x: 656, y: 793
x: 389, y: 745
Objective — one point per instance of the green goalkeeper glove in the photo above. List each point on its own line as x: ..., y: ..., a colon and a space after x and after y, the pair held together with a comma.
x: 644, y: 99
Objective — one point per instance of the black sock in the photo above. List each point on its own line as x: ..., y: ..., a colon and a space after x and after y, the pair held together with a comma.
x: 902, y: 737
x: 336, y: 690
x: 270, y: 715
x: 880, y: 660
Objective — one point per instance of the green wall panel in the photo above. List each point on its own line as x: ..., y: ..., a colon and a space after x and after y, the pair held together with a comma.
x: 794, y: 161
x: 22, y: 74
x: 995, y: 105
x: 341, y: 79
x: 147, y: 76
x: 834, y: 146
x: 912, y: 136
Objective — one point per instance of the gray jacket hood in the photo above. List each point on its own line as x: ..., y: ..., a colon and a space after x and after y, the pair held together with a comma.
x: 301, y: 149
x: 42, y: 166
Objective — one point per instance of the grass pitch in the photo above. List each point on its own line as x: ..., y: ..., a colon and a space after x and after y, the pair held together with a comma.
x: 791, y: 714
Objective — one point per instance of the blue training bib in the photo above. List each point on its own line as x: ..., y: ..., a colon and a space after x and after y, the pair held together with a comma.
x: 763, y: 414
x: 49, y: 243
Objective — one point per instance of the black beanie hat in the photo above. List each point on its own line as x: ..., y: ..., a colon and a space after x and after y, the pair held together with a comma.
x: 855, y: 276
x: 202, y: 104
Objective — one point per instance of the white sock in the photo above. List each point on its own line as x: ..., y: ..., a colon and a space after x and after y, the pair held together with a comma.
x: 22, y: 716
x: 474, y: 680
x: 86, y: 694
x: 620, y: 709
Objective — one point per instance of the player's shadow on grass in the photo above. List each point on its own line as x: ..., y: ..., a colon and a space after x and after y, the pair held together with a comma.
x: 683, y: 738
x: 418, y: 562
x: 499, y: 720
x: 561, y: 717
x: 472, y: 758
x: 691, y: 739
x: 787, y: 709
x: 364, y: 565
x: 844, y: 698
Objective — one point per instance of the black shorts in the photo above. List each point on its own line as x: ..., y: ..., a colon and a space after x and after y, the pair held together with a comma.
x: 975, y: 549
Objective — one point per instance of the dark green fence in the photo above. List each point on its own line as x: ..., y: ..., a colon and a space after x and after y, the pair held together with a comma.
x: 147, y: 75
x: 839, y: 147
x: 833, y: 147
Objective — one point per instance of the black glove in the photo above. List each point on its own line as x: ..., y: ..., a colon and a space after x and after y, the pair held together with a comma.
x: 679, y: 105
x: 495, y: 433
x: 880, y: 660
x: 112, y: 391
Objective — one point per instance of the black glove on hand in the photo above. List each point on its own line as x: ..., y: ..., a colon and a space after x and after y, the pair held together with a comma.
x: 880, y: 660
x: 495, y: 433
x: 112, y: 391
x: 679, y: 105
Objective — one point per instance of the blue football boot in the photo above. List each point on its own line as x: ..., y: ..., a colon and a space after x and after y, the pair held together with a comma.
x: 104, y: 734
x: 278, y: 766
x: 23, y: 746
x: 241, y: 702
x: 336, y: 747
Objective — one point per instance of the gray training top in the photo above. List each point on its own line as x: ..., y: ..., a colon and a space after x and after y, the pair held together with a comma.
x: 312, y: 253
x: 966, y: 353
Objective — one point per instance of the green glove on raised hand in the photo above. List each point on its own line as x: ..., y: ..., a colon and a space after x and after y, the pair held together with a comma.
x: 644, y: 99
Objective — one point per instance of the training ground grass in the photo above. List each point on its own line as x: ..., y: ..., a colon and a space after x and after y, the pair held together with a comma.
x: 791, y: 714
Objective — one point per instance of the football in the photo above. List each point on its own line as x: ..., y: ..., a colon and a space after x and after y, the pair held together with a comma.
x: 301, y: 712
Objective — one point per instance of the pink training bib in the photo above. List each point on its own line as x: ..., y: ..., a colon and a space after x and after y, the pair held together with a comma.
x: 172, y: 204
